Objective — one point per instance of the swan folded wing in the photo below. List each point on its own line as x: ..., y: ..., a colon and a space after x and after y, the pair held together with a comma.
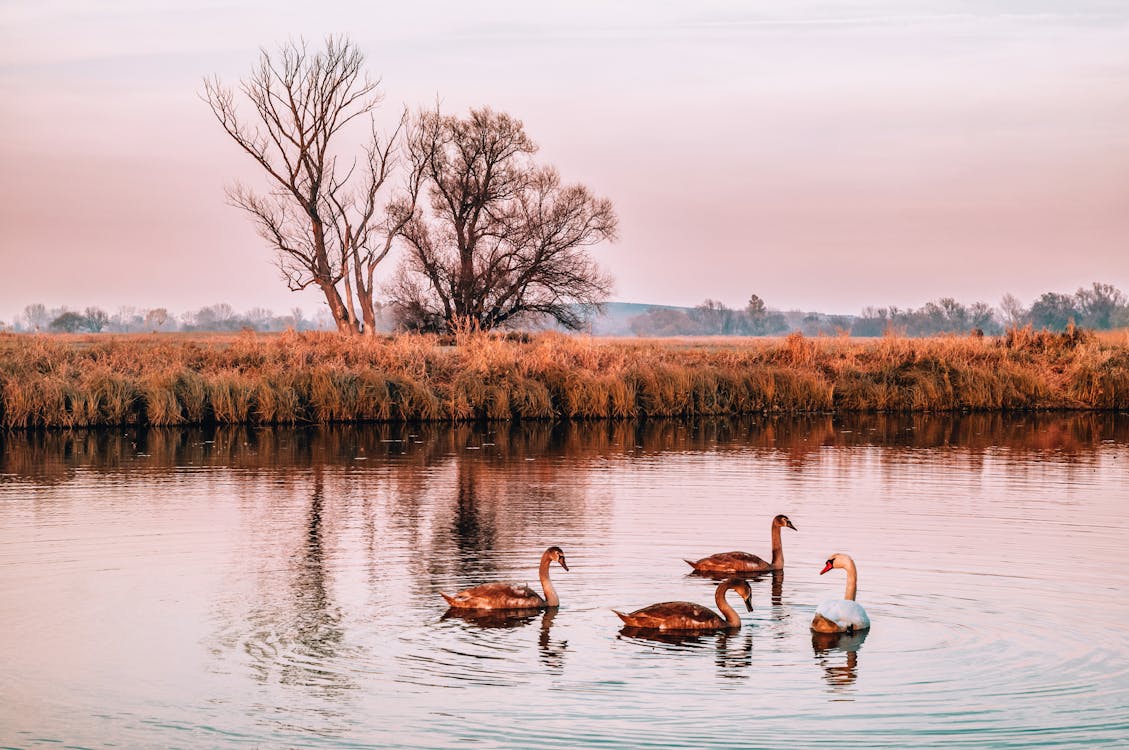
x: 725, y: 561
x: 844, y: 613
x: 498, y: 596
x: 673, y: 616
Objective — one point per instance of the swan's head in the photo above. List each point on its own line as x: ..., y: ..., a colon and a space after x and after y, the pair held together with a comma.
x: 742, y: 587
x: 782, y: 520
x: 557, y: 554
x: 838, y: 560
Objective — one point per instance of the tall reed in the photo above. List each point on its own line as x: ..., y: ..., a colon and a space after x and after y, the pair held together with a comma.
x: 291, y: 378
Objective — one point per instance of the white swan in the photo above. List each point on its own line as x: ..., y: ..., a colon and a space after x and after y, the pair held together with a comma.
x: 841, y: 615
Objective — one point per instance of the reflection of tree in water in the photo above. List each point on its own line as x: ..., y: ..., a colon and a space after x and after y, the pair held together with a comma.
x: 300, y: 637
x: 507, y: 492
x: 472, y: 526
x: 317, y: 622
x: 837, y: 654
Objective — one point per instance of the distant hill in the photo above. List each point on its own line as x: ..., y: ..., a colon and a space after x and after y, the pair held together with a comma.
x: 616, y: 318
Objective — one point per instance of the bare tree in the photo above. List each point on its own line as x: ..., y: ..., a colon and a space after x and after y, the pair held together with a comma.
x: 330, y: 223
x: 156, y: 317
x: 714, y: 317
x: 96, y: 319
x: 1054, y: 311
x: 36, y: 316
x: 1013, y: 311
x: 501, y: 239
x: 69, y: 322
x: 1099, y: 304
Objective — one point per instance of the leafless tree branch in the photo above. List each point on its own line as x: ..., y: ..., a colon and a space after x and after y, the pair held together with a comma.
x: 329, y: 227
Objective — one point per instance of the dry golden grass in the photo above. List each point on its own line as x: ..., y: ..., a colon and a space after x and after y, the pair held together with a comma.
x: 170, y: 379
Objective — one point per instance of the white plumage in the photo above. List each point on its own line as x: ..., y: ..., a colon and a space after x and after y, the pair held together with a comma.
x: 845, y: 613
x: 841, y: 615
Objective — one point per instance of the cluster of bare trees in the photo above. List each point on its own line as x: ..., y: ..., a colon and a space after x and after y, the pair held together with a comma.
x: 712, y: 318
x: 218, y: 317
x: 1101, y: 306
x: 327, y: 215
x: 945, y: 315
x: 489, y: 236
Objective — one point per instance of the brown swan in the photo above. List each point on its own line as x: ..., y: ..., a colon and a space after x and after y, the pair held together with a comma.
x: 689, y: 617
x: 512, y: 595
x: 737, y: 563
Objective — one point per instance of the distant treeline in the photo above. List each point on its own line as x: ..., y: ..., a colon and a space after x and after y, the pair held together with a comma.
x: 219, y: 317
x: 1101, y: 307
x: 316, y: 377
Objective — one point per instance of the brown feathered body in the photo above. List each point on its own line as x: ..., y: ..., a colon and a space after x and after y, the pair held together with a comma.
x: 674, y: 617
x: 731, y: 562
x: 688, y: 617
x: 512, y: 596
x: 496, y: 596
x: 743, y: 563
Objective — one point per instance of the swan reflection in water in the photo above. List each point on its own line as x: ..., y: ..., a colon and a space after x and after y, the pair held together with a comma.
x: 550, y: 650
x: 733, y: 647
x: 776, y: 575
x: 840, y: 672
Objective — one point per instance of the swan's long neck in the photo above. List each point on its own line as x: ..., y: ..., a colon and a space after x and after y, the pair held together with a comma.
x: 852, y: 580
x: 732, y: 619
x: 551, y: 598
x: 777, y: 548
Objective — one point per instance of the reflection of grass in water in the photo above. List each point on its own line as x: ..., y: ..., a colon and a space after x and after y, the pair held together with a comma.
x: 48, y: 456
x: 294, y: 378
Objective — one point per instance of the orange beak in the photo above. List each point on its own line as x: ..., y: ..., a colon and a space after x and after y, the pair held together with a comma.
x: 826, y: 568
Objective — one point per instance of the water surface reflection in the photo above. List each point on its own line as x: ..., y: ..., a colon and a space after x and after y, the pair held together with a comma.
x: 838, y: 654
x: 56, y: 456
x: 280, y: 587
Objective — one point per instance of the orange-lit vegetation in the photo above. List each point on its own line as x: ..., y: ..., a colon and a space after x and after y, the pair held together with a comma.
x: 73, y: 381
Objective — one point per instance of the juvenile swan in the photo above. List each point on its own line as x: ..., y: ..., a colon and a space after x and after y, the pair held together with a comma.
x: 512, y: 595
x: 841, y: 615
x: 743, y: 562
x: 690, y: 617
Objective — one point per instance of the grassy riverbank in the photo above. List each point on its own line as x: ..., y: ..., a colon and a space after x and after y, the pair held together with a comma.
x: 76, y: 381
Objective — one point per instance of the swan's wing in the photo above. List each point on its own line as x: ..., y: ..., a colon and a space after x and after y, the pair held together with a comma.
x: 674, y: 616
x: 844, y: 613
x: 731, y: 561
x: 498, y: 596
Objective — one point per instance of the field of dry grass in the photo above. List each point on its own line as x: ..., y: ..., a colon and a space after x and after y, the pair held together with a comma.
x: 289, y: 378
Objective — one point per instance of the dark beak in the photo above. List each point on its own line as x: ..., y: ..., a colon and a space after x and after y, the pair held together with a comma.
x: 563, y: 564
x: 789, y: 525
x: 826, y: 568
x: 749, y: 602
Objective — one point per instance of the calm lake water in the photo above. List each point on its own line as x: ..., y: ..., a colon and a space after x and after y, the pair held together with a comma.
x: 280, y: 588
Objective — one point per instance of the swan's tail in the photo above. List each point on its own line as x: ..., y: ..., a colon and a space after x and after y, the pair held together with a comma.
x: 621, y: 615
x: 691, y: 563
x: 450, y: 599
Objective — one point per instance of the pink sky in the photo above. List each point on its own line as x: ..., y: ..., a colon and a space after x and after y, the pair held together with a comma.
x: 825, y: 158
